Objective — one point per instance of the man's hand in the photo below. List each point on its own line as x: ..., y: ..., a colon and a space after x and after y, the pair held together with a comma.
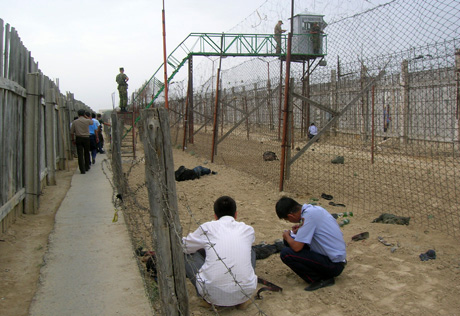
x: 295, y: 228
x: 295, y: 245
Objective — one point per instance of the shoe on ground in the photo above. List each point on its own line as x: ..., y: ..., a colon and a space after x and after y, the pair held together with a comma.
x: 94, y: 161
x: 338, y: 160
x: 319, y: 284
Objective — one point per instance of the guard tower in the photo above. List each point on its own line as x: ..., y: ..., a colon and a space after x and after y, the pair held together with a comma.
x: 308, y: 40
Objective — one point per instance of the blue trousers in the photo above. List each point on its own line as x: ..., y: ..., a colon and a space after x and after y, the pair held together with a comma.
x: 93, y: 145
x: 200, y: 170
x: 309, y: 265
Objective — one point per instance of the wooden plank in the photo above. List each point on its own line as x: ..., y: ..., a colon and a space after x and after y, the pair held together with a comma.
x: 8, y: 206
x: 161, y: 184
x: 12, y: 86
x: 6, y: 51
x: 49, y: 137
x: 31, y: 152
x: 2, y: 30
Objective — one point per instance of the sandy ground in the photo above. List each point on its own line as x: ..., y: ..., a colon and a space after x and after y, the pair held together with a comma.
x: 376, y: 281
x: 23, y: 246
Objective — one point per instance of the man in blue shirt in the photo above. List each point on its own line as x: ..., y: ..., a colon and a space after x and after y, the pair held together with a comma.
x: 93, y: 136
x: 316, y: 249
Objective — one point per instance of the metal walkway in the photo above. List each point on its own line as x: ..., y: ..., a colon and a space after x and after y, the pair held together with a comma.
x: 221, y: 44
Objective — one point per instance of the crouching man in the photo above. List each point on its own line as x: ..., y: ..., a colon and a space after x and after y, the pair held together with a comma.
x: 316, y: 249
x: 220, y: 261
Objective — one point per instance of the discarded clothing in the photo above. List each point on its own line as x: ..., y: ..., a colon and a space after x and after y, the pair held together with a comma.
x: 150, y: 260
x: 184, y: 174
x: 338, y: 160
x: 430, y: 254
x: 360, y: 236
x: 264, y: 251
x: 392, y: 219
x: 269, y: 156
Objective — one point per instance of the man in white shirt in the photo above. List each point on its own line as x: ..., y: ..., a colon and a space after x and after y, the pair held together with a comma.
x: 220, y: 261
x: 312, y: 131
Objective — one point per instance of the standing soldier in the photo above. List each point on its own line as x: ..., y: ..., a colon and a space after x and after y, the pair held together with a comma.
x: 315, y: 32
x: 122, y: 81
x: 278, y: 31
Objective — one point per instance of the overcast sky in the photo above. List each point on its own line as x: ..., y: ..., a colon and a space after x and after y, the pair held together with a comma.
x: 84, y: 42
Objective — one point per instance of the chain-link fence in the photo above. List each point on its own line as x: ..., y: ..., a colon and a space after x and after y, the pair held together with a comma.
x: 399, y: 139
x: 386, y: 105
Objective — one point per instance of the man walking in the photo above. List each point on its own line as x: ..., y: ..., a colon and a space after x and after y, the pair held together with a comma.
x: 122, y: 80
x: 79, y: 132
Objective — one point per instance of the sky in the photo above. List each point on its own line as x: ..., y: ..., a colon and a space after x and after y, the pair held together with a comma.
x: 83, y: 43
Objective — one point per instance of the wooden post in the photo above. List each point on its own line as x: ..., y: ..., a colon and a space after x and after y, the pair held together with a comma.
x: 62, y: 143
x: 191, y: 119
x: 280, y: 100
x: 31, y: 174
x: 333, y: 98
x: 2, y: 29
x: 161, y: 185
x: 364, y: 105
x: 269, y: 105
x: 116, y: 155
x: 49, y: 136
x: 404, y: 121
x: 457, y: 113
x: 290, y: 123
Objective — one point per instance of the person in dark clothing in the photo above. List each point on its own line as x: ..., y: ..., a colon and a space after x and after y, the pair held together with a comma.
x: 183, y: 174
x: 79, y: 132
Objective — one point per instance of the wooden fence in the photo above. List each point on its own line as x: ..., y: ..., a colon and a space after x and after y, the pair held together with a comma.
x: 35, y: 122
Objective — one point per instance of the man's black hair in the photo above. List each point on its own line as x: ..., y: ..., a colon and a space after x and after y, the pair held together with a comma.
x: 93, y: 115
x: 87, y: 113
x: 225, y: 206
x: 81, y: 112
x: 99, y: 115
x: 286, y: 206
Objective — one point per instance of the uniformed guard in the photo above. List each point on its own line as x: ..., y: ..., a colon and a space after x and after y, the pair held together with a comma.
x: 122, y: 80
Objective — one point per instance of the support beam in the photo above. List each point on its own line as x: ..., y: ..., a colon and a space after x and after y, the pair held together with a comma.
x: 340, y: 114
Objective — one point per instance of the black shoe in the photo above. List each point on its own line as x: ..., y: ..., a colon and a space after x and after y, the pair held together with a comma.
x: 94, y: 161
x: 326, y: 196
x: 319, y: 284
x: 82, y: 172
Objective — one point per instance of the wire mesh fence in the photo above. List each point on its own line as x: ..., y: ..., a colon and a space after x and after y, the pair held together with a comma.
x: 388, y: 100
x: 400, y: 140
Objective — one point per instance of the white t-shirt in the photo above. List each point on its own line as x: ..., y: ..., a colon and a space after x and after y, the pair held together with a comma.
x: 228, y: 246
x: 313, y: 130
